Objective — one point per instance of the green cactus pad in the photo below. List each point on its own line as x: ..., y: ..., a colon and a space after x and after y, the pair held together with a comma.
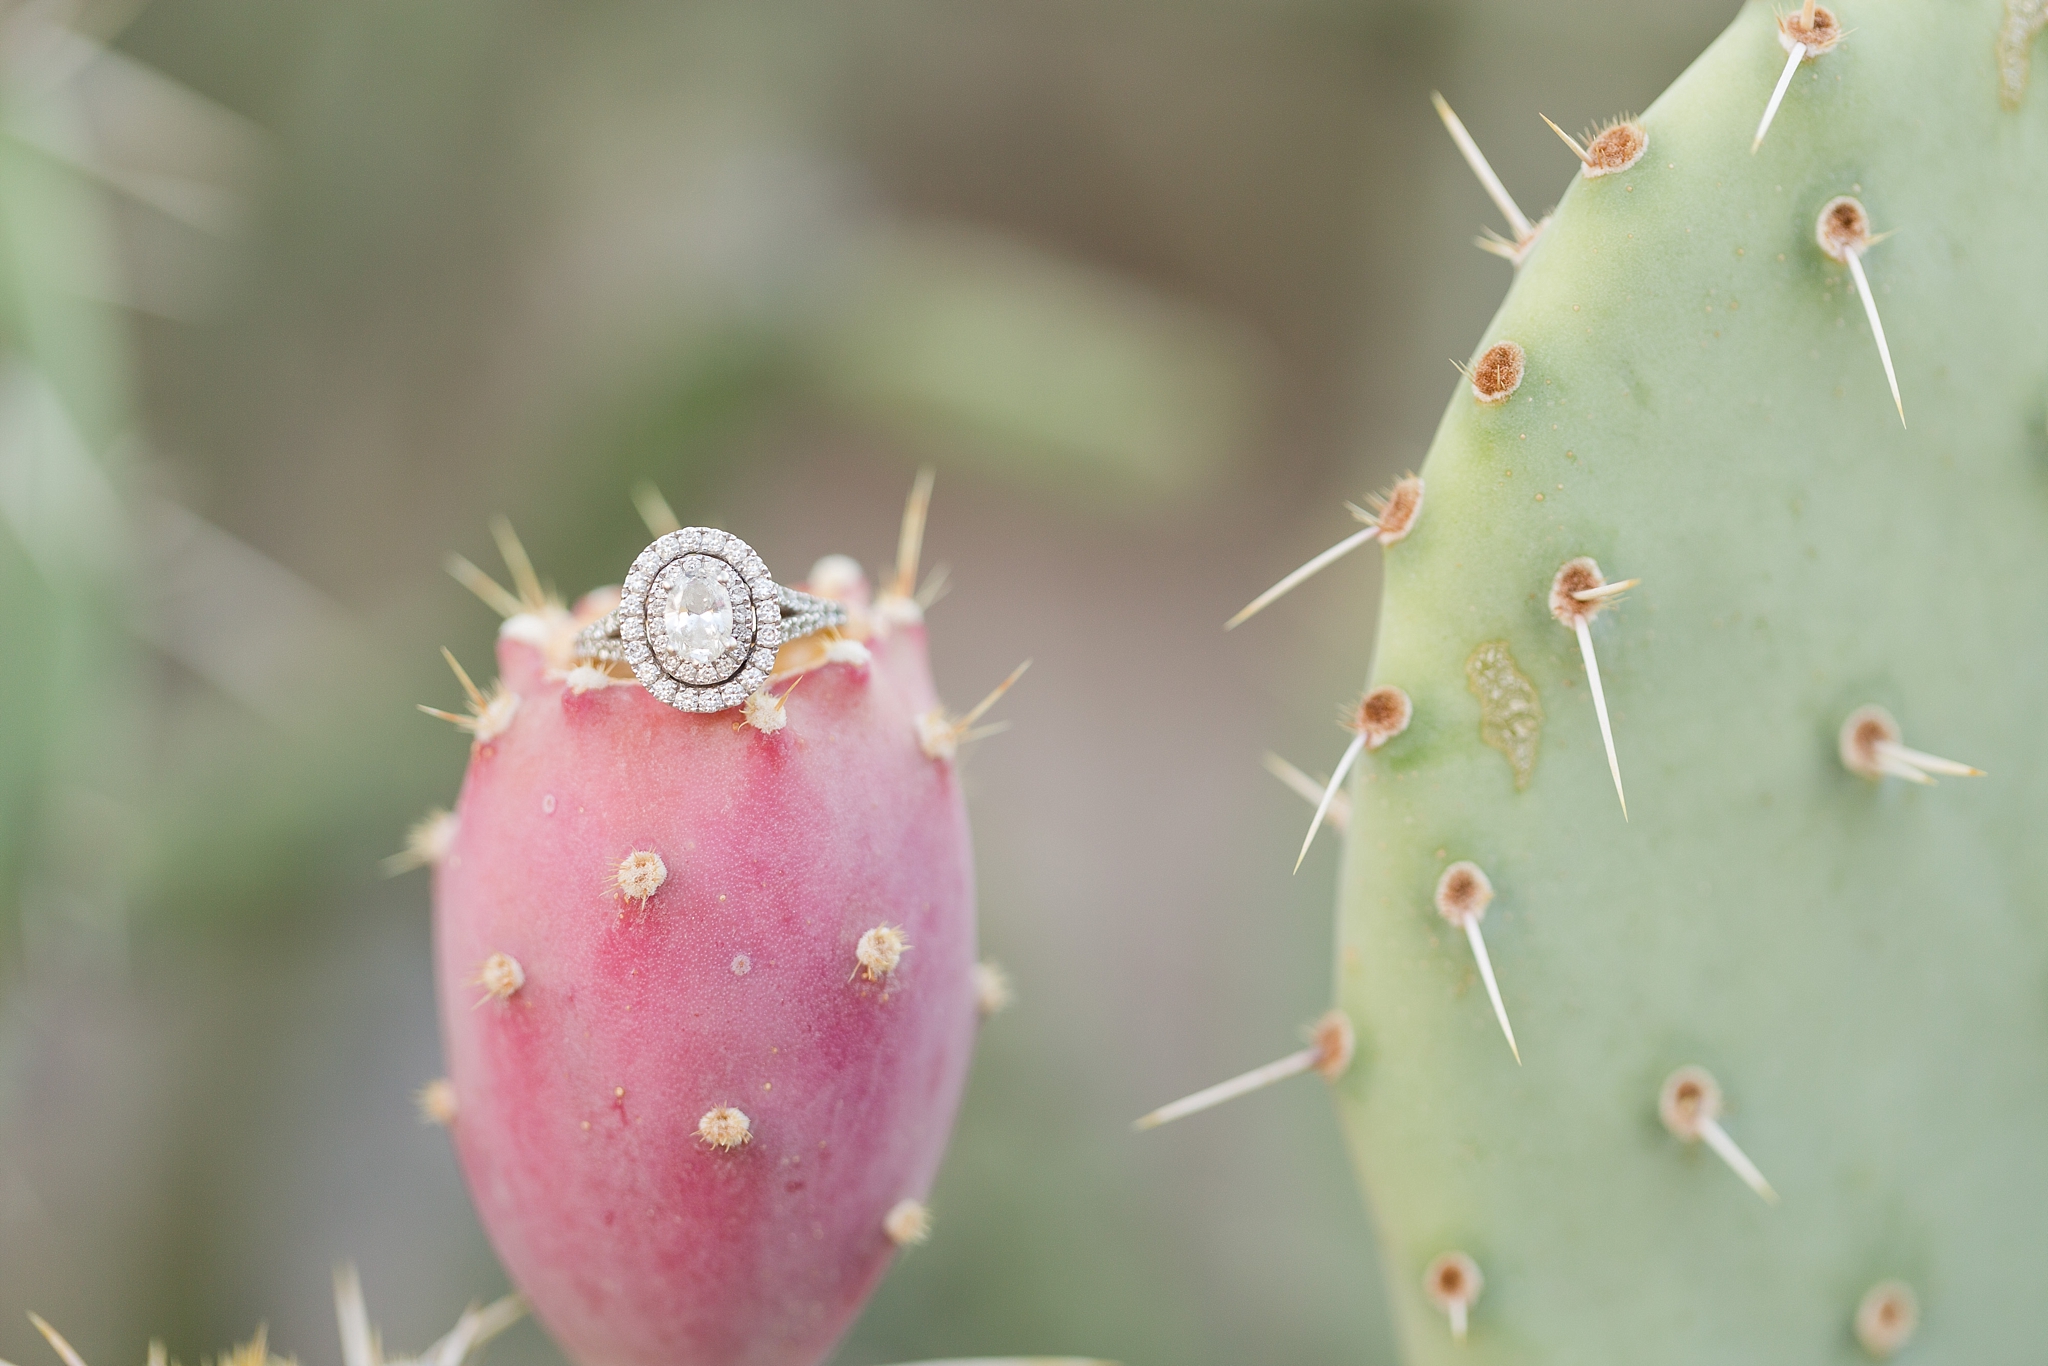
x: 1863, y: 966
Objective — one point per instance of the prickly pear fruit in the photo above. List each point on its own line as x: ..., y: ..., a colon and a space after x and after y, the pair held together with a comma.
x: 708, y: 992
x: 1850, y: 962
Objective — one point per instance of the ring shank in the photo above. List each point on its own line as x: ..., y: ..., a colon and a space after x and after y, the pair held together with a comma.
x: 801, y: 614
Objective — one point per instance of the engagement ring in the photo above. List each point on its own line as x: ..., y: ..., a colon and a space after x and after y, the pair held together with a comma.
x: 699, y: 621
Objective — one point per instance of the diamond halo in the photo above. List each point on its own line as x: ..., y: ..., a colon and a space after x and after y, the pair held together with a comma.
x: 699, y: 619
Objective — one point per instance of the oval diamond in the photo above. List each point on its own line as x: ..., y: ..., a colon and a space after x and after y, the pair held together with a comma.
x: 699, y: 620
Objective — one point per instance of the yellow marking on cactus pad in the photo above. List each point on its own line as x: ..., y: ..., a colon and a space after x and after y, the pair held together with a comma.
x: 1510, y: 710
x: 2024, y: 20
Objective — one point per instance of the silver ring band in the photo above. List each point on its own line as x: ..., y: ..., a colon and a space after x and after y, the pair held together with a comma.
x: 803, y: 614
x: 699, y: 621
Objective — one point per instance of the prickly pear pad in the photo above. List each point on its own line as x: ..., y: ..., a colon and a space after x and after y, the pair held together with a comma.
x: 1862, y: 965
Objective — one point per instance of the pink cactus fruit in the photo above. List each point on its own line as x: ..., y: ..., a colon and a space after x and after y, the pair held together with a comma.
x: 707, y: 982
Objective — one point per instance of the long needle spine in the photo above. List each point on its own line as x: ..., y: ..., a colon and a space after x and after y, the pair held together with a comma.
x: 1308, y: 789
x: 1293, y: 1065
x: 1870, y: 748
x: 995, y: 695
x: 517, y: 564
x: 1319, y: 563
x: 57, y: 1341
x: 494, y: 595
x: 1335, y: 1041
x: 1569, y: 140
x: 1725, y: 1148
x: 1689, y: 1104
x: 1500, y: 1011
x: 1483, y: 169
x: 654, y: 509
x: 1843, y: 232
x: 1884, y: 351
x: 1351, y: 753
x: 1778, y: 93
x: 1929, y: 763
x: 1584, y: 631
x: 910, y: 539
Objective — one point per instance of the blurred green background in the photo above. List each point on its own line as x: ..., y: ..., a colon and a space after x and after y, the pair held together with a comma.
x: 295, y: 294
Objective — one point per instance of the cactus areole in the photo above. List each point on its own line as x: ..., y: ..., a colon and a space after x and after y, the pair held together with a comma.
x: 689, y: 1106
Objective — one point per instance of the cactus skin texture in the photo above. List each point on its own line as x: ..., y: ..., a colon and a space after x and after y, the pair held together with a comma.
x: 579, y: 1097
x: 1862, y: 966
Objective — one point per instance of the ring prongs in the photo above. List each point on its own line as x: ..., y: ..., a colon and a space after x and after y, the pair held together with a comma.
x: 1870, y: 748
x: 1577, y: 595
x: 1526, y: 233
x: 1462, y: 896
x: 1689, y: 1103
x: 1379, y: 716
x: 1843, y: 231
x: 1391, y: 516
x: 1332, y: 1044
